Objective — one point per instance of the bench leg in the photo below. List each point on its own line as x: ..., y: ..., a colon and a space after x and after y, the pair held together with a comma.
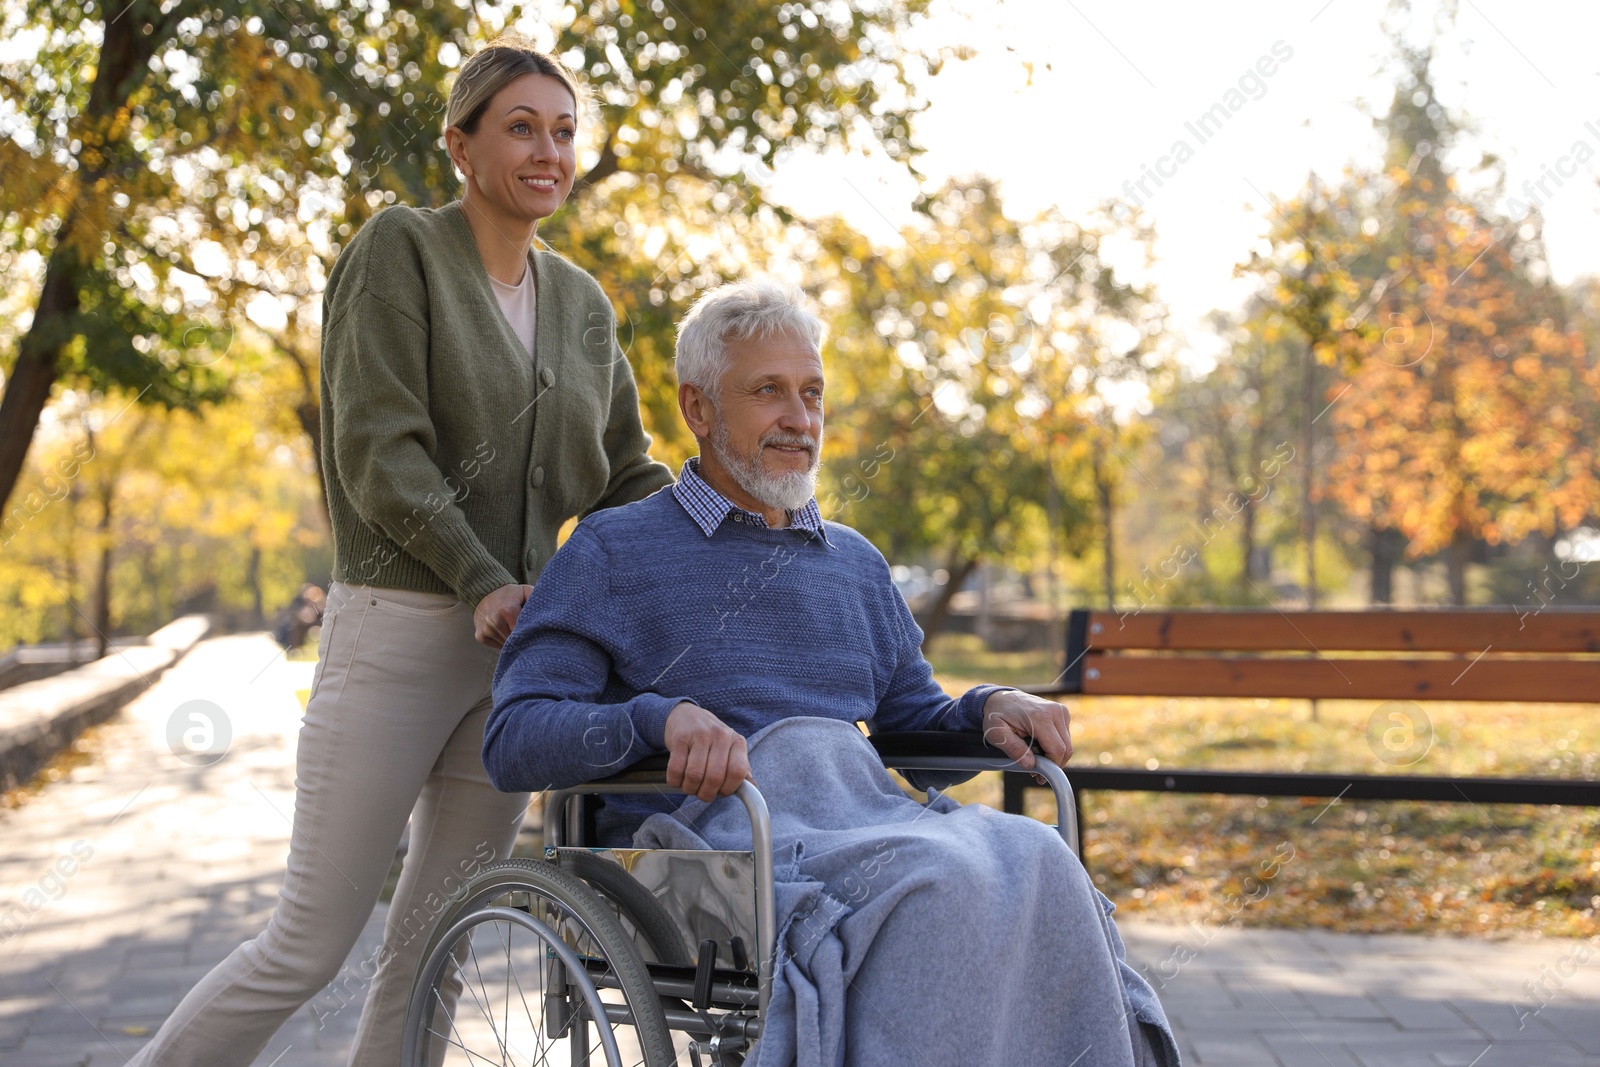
x: 1015, y: 786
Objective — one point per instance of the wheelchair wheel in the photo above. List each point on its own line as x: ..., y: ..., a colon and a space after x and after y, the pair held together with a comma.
x: 527, y: 965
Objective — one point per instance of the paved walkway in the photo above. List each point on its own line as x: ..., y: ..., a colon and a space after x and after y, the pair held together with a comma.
x: 124, y: 883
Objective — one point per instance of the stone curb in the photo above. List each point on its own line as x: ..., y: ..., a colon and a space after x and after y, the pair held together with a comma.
x: 38, y: 719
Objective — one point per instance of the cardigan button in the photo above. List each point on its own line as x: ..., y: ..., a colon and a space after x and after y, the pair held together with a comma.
x: 548, y: 377
x: 538, y: 477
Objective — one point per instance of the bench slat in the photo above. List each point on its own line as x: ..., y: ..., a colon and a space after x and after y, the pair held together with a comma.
x: 1557, y: 680
x: 1506, y: 630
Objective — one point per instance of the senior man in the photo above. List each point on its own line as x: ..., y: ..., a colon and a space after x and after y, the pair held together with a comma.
x: 725, y: 622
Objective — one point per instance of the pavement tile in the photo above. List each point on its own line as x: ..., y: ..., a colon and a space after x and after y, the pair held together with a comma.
x: 64, y: 1020
x: 1236, y: 1050
x: 1409, y: 1048
x: 146, y: 1005
x: 1580, y: 1025
x: 12, y: 1031
x: 143, y: 958
x: 1514, y: 1055
x: 1505, y: 1021
x: 1414, y: 1013
x: 68, y: 1046
x: 1262, y: 993
x: 1393, y: 1057
x: 1295, y: 1049
x: 1235, y: 1022
x: 1345, y: 1006
x: 1191, y: 998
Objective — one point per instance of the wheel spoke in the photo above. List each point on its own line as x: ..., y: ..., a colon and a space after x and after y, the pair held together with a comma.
x: 483, y: 1005
x: 580, y: 962
x: 511, y: 976
x: 458, y: 1044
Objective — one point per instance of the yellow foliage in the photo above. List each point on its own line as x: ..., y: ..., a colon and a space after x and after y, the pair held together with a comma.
x: 193, y: 497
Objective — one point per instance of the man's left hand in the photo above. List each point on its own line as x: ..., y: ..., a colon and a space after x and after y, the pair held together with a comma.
x: 1011, y: 718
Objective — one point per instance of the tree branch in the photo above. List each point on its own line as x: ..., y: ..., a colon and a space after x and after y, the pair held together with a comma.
x: 604, y: 167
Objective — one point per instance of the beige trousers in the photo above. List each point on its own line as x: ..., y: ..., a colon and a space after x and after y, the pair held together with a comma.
x: 394, y: 728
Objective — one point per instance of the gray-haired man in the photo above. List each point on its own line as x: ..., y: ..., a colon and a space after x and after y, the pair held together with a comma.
x: 724, y: 622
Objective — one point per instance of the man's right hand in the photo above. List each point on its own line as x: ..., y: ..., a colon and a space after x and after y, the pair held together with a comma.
x: 706, y: 757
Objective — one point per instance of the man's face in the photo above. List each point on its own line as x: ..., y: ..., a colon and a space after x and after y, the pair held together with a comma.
x: 767, y: 424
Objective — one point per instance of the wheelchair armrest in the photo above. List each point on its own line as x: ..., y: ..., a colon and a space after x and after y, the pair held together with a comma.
x: 651, y: 769
x: 908, y: 745
x: 967, y: 752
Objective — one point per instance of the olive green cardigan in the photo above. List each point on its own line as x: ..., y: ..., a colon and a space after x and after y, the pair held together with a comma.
x: 450, y: 458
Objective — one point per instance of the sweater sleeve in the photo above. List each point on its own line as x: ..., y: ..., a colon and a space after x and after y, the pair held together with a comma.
x: 375, y: 356
x: 913, y: 700
x: 553, y: 725
x: 634, y: 475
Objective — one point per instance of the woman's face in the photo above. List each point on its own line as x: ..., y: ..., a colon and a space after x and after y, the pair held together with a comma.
x: 522, y: 157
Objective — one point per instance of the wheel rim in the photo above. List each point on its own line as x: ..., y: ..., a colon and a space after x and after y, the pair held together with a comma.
x: 521, y: 973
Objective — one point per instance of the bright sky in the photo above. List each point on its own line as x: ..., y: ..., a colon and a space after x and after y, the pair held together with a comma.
x: 1123, y: 80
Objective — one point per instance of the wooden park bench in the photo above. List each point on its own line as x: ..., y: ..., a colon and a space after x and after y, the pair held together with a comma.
x: 1500, y: 655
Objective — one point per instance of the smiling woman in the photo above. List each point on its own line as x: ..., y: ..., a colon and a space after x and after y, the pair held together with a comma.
x: 511, y: 127
x: 475, y: 400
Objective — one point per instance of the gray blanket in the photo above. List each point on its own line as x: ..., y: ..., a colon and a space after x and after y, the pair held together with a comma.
x: 935, y: 935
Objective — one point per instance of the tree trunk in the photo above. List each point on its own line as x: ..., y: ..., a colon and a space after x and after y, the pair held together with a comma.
x: 1108, y: 540
x: 985, y: 621
x: 258, y: 615
x: 71, y: 553
x: 1247, y: 540
x: 309, y: 411
x: 34, y: 375
x: 102, y: 597
x: 1456, y: 557
x: 124, y: 61
x: 959, y: 570
x: 1308, y: 510
x: 1385, y: 545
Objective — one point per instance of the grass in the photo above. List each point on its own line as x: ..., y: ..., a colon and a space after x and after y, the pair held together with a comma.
x: 1365, y: 866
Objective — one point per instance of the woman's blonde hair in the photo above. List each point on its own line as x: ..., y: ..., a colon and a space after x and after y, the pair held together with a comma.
x: 490, y: 69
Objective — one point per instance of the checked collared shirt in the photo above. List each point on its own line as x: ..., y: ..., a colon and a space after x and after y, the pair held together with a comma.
x: 709, y: 508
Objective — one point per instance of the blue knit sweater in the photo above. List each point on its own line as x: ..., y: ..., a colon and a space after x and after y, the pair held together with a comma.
x: 640, y: 610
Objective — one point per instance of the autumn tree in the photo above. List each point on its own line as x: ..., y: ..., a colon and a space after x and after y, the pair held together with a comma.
x: 1231, y: 427
x: 131, y: 513
x: 172, y: 164
x: 1312, y: 277
x: 1459, y: 423
x: 962, y: 364
x: 1099, y: 339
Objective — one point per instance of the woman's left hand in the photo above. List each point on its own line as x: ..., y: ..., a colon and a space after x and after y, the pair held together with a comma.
x: 496, y: 614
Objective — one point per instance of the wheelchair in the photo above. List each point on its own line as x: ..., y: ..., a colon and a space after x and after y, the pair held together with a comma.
x: 634, y: 957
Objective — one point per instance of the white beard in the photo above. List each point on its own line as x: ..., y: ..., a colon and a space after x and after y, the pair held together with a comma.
x: 791, y: 490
